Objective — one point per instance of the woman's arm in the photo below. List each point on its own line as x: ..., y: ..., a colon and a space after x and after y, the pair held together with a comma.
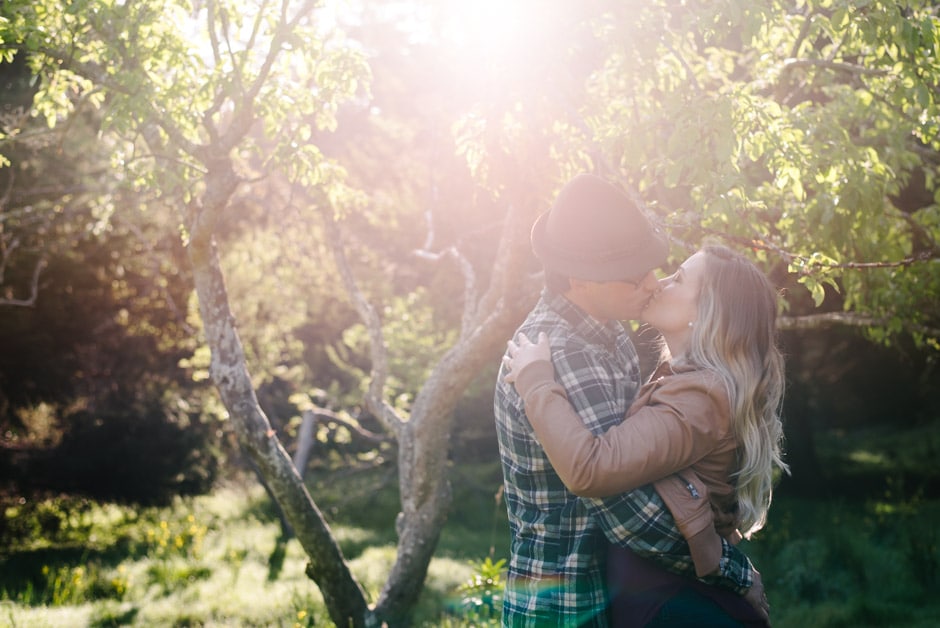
x: 688, y: 499
x: 674, y: 431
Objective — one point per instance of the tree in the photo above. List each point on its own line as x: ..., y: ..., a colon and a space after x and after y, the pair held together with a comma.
x: 135, y: 64
x: 806, y: 132
x: 796, y: 132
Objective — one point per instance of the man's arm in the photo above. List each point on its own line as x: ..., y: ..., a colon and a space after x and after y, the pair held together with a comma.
x: 640, y: 521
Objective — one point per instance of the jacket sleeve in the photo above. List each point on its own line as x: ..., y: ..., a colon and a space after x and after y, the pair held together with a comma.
x: 674, y: 430
x: 686, y: 496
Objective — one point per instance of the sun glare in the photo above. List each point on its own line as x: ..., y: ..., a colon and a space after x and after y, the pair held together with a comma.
x: 492, y: 35
x: 484, y: 24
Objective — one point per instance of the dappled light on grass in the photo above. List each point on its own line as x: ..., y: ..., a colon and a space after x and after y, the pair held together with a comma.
x: 203, y: 560
x: 207, y: 561
x: 867, y: 458
x: 826, y: 563
x: 832, y: 563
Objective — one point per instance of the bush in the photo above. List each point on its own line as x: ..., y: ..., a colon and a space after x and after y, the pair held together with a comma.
x: 144, y: 458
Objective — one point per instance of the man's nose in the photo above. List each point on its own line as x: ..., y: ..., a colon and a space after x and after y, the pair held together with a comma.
x: 649, y: 283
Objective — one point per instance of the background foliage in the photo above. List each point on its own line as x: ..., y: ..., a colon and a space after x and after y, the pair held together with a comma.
x: 804, y: 133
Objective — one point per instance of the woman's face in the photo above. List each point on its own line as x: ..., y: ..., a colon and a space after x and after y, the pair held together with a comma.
x: 675, y: 304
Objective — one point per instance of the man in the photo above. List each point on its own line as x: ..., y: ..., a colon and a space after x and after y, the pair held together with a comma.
x: 598, y: 252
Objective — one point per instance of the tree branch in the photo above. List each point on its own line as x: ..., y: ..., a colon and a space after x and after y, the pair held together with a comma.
x: 825, y: 320
x: 508, y: 278
x: 375, y: 396
x: 243, y: 116
x: 804, y: 32
x: 466, y: 270
x: 34, y: 288
x: 840, y: 66
x: 763, y: 243
x: 324, y: 415
x: 685, y: 64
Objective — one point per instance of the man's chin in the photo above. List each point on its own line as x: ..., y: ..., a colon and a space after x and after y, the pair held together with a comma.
x: 634, y: 315
x: 643, y: 316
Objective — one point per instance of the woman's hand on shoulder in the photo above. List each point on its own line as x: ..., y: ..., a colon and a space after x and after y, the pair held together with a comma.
x: 523, y: 352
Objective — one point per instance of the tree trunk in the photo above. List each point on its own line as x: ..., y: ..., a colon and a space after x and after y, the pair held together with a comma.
x: 424, y: 452
x: 805, y: 471
x: 423, y: 439
x: 305, y: 441
x: 345, y: 600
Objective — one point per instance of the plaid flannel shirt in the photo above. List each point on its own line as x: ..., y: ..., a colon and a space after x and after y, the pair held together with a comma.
x: 557, y: 567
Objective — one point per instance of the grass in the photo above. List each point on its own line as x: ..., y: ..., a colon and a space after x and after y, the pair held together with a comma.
x: 850, y: 563
x: 199, y: 562
x: 218, y: 560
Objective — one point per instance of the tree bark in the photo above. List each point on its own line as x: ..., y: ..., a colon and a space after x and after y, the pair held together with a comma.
x: 805, y: 471
x: 305, y: 442
x: 424, y: 440
x: 345, y: 600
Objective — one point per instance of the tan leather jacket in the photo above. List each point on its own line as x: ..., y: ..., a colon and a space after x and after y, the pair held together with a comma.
x: 677, y: 435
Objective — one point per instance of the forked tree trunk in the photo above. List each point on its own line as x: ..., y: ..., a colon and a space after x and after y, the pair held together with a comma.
x: 424, y: 444
x: 423, y: 439
x: 424, y: 449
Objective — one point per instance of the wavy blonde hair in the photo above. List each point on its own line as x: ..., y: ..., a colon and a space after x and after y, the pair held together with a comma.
x: 735, y: 335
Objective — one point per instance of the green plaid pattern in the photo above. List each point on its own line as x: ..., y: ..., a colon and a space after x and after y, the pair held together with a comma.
x: 556, y: 571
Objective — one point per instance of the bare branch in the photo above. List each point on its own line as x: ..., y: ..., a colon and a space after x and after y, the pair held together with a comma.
x: 306, y: 438
x: 8, y: 192
x: 8, y: 244
x: 825, y: 320
x: 323, y: 415
x: 839, y: 66
x: 509, y: 276
x: 219, y: 99
x: 375, y: 396
x: 926, y: 256
x: 761, y: 242
x: 466, y: 269
x: 33, y: 292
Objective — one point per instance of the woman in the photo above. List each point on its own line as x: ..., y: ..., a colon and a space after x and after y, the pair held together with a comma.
x: 711, y: 413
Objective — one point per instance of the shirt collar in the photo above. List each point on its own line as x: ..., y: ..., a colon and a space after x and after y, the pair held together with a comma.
x: 583, y: 323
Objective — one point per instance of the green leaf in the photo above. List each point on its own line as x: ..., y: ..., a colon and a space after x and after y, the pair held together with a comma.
x: 816, y: 290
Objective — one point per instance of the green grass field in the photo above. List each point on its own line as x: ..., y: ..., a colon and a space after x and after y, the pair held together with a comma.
x: 217, y: 560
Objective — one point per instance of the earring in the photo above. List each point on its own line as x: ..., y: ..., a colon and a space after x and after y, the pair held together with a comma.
x: 690, y: 323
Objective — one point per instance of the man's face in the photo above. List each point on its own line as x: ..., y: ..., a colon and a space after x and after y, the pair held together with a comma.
x: 615, y: 300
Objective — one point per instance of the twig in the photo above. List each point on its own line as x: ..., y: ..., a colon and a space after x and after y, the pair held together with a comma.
x: 470, y: 296
x: 375, y: 396
x: 850, y: 319
x: 839, y: 66
x: 34, y: 288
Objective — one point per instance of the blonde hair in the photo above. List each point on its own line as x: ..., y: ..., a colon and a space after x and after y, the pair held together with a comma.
x: 735, y: 336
